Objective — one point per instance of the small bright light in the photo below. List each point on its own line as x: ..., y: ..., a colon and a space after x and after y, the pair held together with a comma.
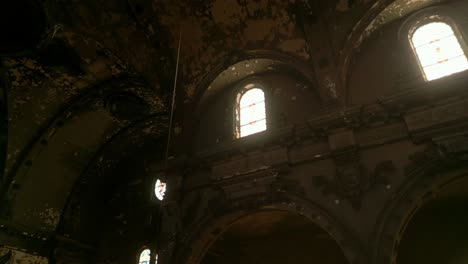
x: 160, y: 189
x: 145, y: 257
x: 252, y: 115
x: 438, y: 50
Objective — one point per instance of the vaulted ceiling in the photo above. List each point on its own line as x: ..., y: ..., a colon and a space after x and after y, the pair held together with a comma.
x: 97, y: 75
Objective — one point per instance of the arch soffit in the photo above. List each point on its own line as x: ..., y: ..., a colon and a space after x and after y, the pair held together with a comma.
x: 444, y: 14
x: 91, y: 85
x: 381, y: 13
x: 399, y: 211
x: 104, y: 161
x: 211, y: 227
x: 251, y: 64
x: 52, y: 143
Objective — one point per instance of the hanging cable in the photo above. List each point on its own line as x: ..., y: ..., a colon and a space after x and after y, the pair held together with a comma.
x: 169, y: 134
x: 161, y: 182
x: 159, y: 215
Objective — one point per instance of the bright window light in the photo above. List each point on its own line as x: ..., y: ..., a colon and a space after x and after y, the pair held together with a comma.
x: 145, y: 257
x: 438, y: 50
x: 251, y: 112
x: 160, y: 189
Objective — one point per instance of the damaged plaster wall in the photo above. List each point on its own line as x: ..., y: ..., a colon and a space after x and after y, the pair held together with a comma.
x: 397, y: 10
x: 211, y: 32
x: 43, y: 84
x: 111, y: 25
x: 19, y: 257
x: 46, y: 85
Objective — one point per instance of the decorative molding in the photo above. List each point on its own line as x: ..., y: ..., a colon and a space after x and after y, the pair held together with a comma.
x: 248, y: 184
x: 442, y: 153
x: 456, y: 146
x: 441, y: 119
x: 250, y: 163
x: 377, y: 123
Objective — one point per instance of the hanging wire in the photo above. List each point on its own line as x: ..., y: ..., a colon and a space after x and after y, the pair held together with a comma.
x: 169, y: 134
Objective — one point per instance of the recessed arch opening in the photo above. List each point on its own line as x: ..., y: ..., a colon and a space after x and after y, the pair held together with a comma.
x: 438, y: 232
x: 248, y: 68
x: 274, y: 236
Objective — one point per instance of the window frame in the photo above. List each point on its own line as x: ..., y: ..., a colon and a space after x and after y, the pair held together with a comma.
x: 243, y: 88
x: 435, y: 18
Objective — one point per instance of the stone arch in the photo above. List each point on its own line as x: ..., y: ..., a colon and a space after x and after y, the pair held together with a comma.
x: 208, y: 229
x: 422, y: 181
x: 269, y: 57
x: 38, y: 167
x: 217, y: 89
x: 378, y: 14
x: 83, y: 219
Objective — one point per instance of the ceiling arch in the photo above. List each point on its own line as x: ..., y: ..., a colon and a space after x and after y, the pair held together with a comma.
x: 207, y: 230
x: 129, y: 158
x: 379, y: 14
x: 46, y: 174
x: 238, y: 67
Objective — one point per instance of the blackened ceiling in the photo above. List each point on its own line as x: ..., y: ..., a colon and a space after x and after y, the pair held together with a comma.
x: 90, y: 76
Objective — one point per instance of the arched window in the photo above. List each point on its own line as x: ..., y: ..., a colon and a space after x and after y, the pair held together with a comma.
x: 438, y: 50
x: 145, y: 257
x: 160, y: 189
x: 251, y: 112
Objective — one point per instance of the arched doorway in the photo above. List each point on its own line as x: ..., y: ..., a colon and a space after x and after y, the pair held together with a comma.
x: 438, y: 231
x: 274, y: 236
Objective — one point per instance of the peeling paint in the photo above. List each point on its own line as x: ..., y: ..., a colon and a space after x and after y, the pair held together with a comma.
x: 211, y: 32
x: 19, y: 257
x: 50, y: 217
x: 394, y: 11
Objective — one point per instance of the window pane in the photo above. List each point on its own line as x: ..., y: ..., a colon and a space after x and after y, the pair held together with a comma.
x: 430, y: 32
x: 446, y: 68
x: 253, y: 128
x: 438, y: 50
x: 145, y: 256
x: 252, y: 115
x: 252, y: 96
